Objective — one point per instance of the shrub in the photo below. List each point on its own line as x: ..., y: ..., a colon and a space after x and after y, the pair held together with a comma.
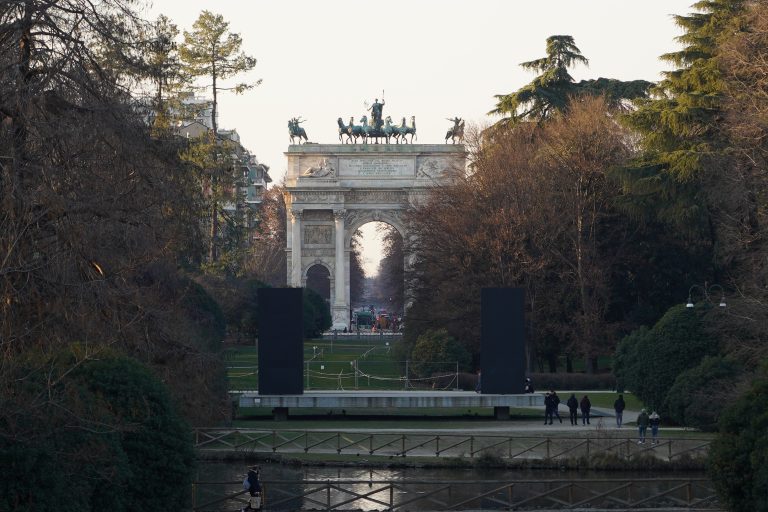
x: 648, y: 361
x: 738, y: 457
x: 317, y: 314
x: 434, y: 349
x: 595, y: 381
x: 103, y: 436
x: 695, y: 397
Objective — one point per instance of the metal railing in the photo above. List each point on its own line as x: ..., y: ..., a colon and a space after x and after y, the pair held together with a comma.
x: 442, y: 445
x: 391, y: 495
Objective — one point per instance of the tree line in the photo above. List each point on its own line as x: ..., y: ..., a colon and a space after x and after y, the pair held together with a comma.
x: 610, y: 202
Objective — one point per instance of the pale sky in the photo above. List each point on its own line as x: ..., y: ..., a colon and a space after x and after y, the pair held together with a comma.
x: 323, y: 59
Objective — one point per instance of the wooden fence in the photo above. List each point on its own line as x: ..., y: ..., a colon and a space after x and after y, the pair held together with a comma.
x: 444, y: 445
x: 391, y: 495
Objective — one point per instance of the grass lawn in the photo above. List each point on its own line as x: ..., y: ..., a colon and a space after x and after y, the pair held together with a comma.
x: 328, y: 364
x: 604, y: 399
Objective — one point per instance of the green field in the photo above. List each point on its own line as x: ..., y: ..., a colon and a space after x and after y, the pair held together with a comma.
x: 328, y: 364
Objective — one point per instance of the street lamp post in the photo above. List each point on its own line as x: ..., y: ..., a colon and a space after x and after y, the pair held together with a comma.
x: 706, y: 291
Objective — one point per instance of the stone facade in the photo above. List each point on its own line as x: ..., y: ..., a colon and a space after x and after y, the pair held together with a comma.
x: 333, y: 189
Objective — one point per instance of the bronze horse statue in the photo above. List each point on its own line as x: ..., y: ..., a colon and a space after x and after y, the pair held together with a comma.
x: 457, y: 132
x: 296, y: 131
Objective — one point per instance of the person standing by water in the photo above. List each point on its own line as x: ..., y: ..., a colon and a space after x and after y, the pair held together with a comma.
x: 642, y: 426
x: 573, y: 409
x: 618, y: 407
x: 253, y: 486
x: 586, y: 406
x: 654, y: 420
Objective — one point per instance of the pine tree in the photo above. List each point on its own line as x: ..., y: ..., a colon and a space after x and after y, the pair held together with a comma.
x: 681, y: 138
x: 552, y: 89
x: 210, y: 52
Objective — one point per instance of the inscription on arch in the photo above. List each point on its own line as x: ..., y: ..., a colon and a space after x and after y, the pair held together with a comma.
x: 377, y: 167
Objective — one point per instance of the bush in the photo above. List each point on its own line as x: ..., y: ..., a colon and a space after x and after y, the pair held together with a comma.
x: 434, y: 349
x: 595, y: 381
x: 738, y: 457
x: 695, y: 397
x: 317, y: 314
x: 649, y: 360
x: 103, y: 436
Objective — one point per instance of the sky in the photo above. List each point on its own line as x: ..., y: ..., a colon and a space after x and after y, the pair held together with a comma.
x: 325, y: 59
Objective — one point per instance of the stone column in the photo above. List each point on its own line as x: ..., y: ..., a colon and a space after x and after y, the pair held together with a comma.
x: 295, y: 279
x: 340, y: 306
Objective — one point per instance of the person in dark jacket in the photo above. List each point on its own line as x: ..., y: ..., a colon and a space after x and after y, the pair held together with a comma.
x: 573, y: 408
x: 528, y: 386
x: 654, y: 420
x: 618, y: 407
x: 555, y: 405
x: 253, y: 486
x: 586, y: 406
x: 548, y: 409
x: 642, y: 425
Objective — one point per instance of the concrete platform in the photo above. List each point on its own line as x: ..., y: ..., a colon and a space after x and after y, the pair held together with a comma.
x: 389, y: 399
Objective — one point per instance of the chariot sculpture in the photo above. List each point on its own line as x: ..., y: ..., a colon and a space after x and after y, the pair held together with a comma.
x: 377, y: 129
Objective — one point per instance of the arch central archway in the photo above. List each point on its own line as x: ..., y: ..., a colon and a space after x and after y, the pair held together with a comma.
x: 359, y: 184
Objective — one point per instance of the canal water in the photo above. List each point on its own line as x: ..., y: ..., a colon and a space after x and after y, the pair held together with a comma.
x: 218, y: 480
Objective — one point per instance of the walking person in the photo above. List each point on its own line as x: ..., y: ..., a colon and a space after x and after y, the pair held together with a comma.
x: 555, y: 405
x: 642, y: 426
x: 586, y: 406
x: 618, y: 407
x: 654, y: 420
x: 573, y: 409
x: 548, y: 408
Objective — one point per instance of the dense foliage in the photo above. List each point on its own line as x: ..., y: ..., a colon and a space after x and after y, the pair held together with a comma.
x: 132, y: 452
x: 698, y: 394
x: 436, y: 353
x: 317, y: 314
x: 649, y: 360
x: 738, y: 458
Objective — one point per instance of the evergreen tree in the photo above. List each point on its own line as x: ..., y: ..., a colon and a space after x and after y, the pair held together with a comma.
x: 681, y: 139
x: 210, y: 52
x: 551, y: 90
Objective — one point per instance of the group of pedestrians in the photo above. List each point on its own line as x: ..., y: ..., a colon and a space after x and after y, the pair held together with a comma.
x: 552, y: 401
x: 643, y: 422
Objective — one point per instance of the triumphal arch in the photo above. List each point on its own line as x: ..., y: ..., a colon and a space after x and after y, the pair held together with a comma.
x: 333, y: 189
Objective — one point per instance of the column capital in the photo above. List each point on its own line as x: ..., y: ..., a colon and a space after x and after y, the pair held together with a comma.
x: 340, y: 214
x: 297, y: 213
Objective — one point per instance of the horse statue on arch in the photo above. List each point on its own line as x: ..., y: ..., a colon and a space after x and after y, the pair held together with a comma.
x: 296, y: 131
x: 344, y: 130
x: 457, y: 132
x: 355, y: 131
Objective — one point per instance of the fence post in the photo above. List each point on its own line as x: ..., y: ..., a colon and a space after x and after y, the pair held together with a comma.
x: 471, y: 446
x: 457, y: 376
x: 670, y: 450
x: 406, y: 376
x: 548, y: 452
x: 403, y: 445
x: 437, y: 446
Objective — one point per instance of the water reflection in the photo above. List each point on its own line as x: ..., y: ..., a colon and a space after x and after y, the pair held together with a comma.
x: 428, y: 487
